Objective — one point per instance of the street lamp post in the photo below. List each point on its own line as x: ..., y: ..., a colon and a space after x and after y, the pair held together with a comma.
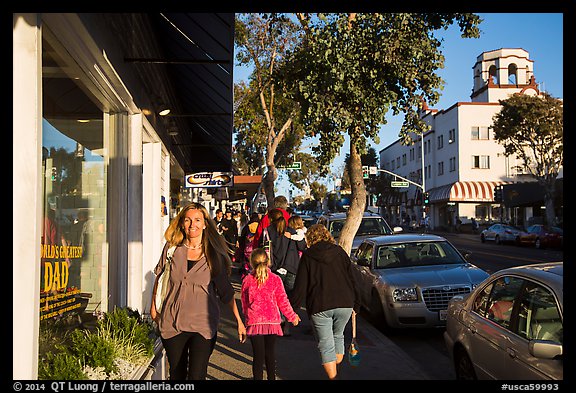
x: 423, y: 175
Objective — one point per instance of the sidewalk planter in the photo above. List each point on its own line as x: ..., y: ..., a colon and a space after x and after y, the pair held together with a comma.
x: 119, y: 345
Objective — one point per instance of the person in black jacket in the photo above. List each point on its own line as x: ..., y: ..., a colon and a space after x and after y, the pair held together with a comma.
x: 285, y: 257
x: 324, y: 281
x: 229, y: 229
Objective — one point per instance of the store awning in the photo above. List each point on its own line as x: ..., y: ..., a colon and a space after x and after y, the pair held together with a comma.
x: 465, y: 191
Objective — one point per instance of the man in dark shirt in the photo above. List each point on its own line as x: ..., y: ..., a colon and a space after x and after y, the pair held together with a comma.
x: 219, y: 216
x: 230, y: 230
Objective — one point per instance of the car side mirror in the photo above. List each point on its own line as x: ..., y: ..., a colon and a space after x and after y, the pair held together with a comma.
x: 363, y: 262
x: 545, y: 349
x: 398, y: 229
x: 466, y: 254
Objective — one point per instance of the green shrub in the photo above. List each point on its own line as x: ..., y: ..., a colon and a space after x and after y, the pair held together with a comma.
x: 124, y: 323
x: 60, y: 366
x: 68, y: 352
x: 93, y: 350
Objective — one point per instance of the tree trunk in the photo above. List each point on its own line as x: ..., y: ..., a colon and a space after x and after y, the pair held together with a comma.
x: 270, y: 178
x: 549, y: 194
x: 357, y: 200
x: 268, y: 181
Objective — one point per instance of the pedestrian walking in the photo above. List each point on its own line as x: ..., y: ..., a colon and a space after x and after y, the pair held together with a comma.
x: 297, y: 223
x: 199, y: 279
x: 280, y: 202
x: 229, y: 229
x: 218, y: 217
x: 263, y: 298
x: 245, y: 245
x: 325, y: 282
x: 475, y: 225
x: 285, y: 257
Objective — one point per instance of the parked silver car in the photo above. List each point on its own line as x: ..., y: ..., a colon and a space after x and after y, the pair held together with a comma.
x: 510, y: 327
x: 372, y: 224
x: 406, y: 280
x: 501, y: 233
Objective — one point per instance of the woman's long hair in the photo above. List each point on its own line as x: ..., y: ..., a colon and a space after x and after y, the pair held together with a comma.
x: 213, y: 244
x: 277, y: 219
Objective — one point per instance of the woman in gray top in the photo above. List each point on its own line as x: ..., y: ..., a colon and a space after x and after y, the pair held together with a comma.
x: 200, y: 275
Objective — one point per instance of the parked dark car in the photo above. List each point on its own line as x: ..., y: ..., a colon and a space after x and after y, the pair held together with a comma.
x: 541, y: 236
x: 406, y: 280
x: 510, y: 327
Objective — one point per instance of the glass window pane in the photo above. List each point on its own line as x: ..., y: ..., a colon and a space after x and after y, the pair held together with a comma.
x: 481, y: 301
x: 502, y: 298
x: 73, y: 243
x: 538, y: 316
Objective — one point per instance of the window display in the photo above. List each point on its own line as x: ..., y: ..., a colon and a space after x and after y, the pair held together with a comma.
x: 73, y: 243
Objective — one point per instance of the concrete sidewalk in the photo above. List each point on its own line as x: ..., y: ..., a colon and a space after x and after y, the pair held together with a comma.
x: 297, y: 356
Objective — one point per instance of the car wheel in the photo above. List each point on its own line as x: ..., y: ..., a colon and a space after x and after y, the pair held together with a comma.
x: 537, y: 243
x: 482, y: 239
x: 377, y: 312
x: 463, y: 366
x: 497, y: 240
x: 517, y: 241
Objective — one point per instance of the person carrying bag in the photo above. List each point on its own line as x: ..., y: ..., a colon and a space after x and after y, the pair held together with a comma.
x: 284, y: 255
x: 163, y: 280
x: 284, y: 258
x: 354, y: 349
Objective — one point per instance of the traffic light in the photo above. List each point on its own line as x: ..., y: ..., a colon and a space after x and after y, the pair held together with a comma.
x: 365, y: 172
x: 498, y: 194
x: 426, y: 199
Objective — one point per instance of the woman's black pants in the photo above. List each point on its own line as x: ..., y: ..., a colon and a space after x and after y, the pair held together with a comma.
x: 188, y: 355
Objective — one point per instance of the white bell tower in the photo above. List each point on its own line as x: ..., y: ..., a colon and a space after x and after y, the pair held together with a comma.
x: 502, y: 72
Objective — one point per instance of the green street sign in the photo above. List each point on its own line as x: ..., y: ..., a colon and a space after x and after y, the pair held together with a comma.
x: 297, y: 165
x: 399, y: 184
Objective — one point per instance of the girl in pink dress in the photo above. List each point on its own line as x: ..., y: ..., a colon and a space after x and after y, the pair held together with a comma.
x: 263, y: 298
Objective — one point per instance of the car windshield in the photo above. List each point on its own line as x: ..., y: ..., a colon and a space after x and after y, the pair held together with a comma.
x: 369, y: 226
x: 417, y: 254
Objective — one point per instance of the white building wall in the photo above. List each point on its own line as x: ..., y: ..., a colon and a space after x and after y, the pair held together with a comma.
x: 479, y: 116
x: 26, y: 193
x: 461, y: 117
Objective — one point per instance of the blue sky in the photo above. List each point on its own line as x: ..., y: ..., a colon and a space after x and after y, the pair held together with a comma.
x: 541, y: 34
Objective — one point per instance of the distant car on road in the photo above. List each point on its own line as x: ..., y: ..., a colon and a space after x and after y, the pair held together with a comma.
x: 510, y: 327
x: 501, y: 233
x: 406, y: 280
x: 372, y: 224
x: 541, y: 236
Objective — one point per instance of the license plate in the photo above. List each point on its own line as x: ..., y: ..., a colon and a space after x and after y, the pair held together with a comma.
x: 443, y: 314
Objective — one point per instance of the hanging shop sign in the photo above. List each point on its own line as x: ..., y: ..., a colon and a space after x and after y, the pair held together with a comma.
x: 209, y: 180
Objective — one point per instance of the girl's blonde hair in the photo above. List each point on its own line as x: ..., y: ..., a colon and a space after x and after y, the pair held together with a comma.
x: 259, y: 261
x: 296, y: 222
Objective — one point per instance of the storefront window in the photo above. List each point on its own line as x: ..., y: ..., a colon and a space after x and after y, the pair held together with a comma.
x: 73, y: 245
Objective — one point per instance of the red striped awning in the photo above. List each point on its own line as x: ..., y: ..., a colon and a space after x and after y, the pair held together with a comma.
x: 465, y: 191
